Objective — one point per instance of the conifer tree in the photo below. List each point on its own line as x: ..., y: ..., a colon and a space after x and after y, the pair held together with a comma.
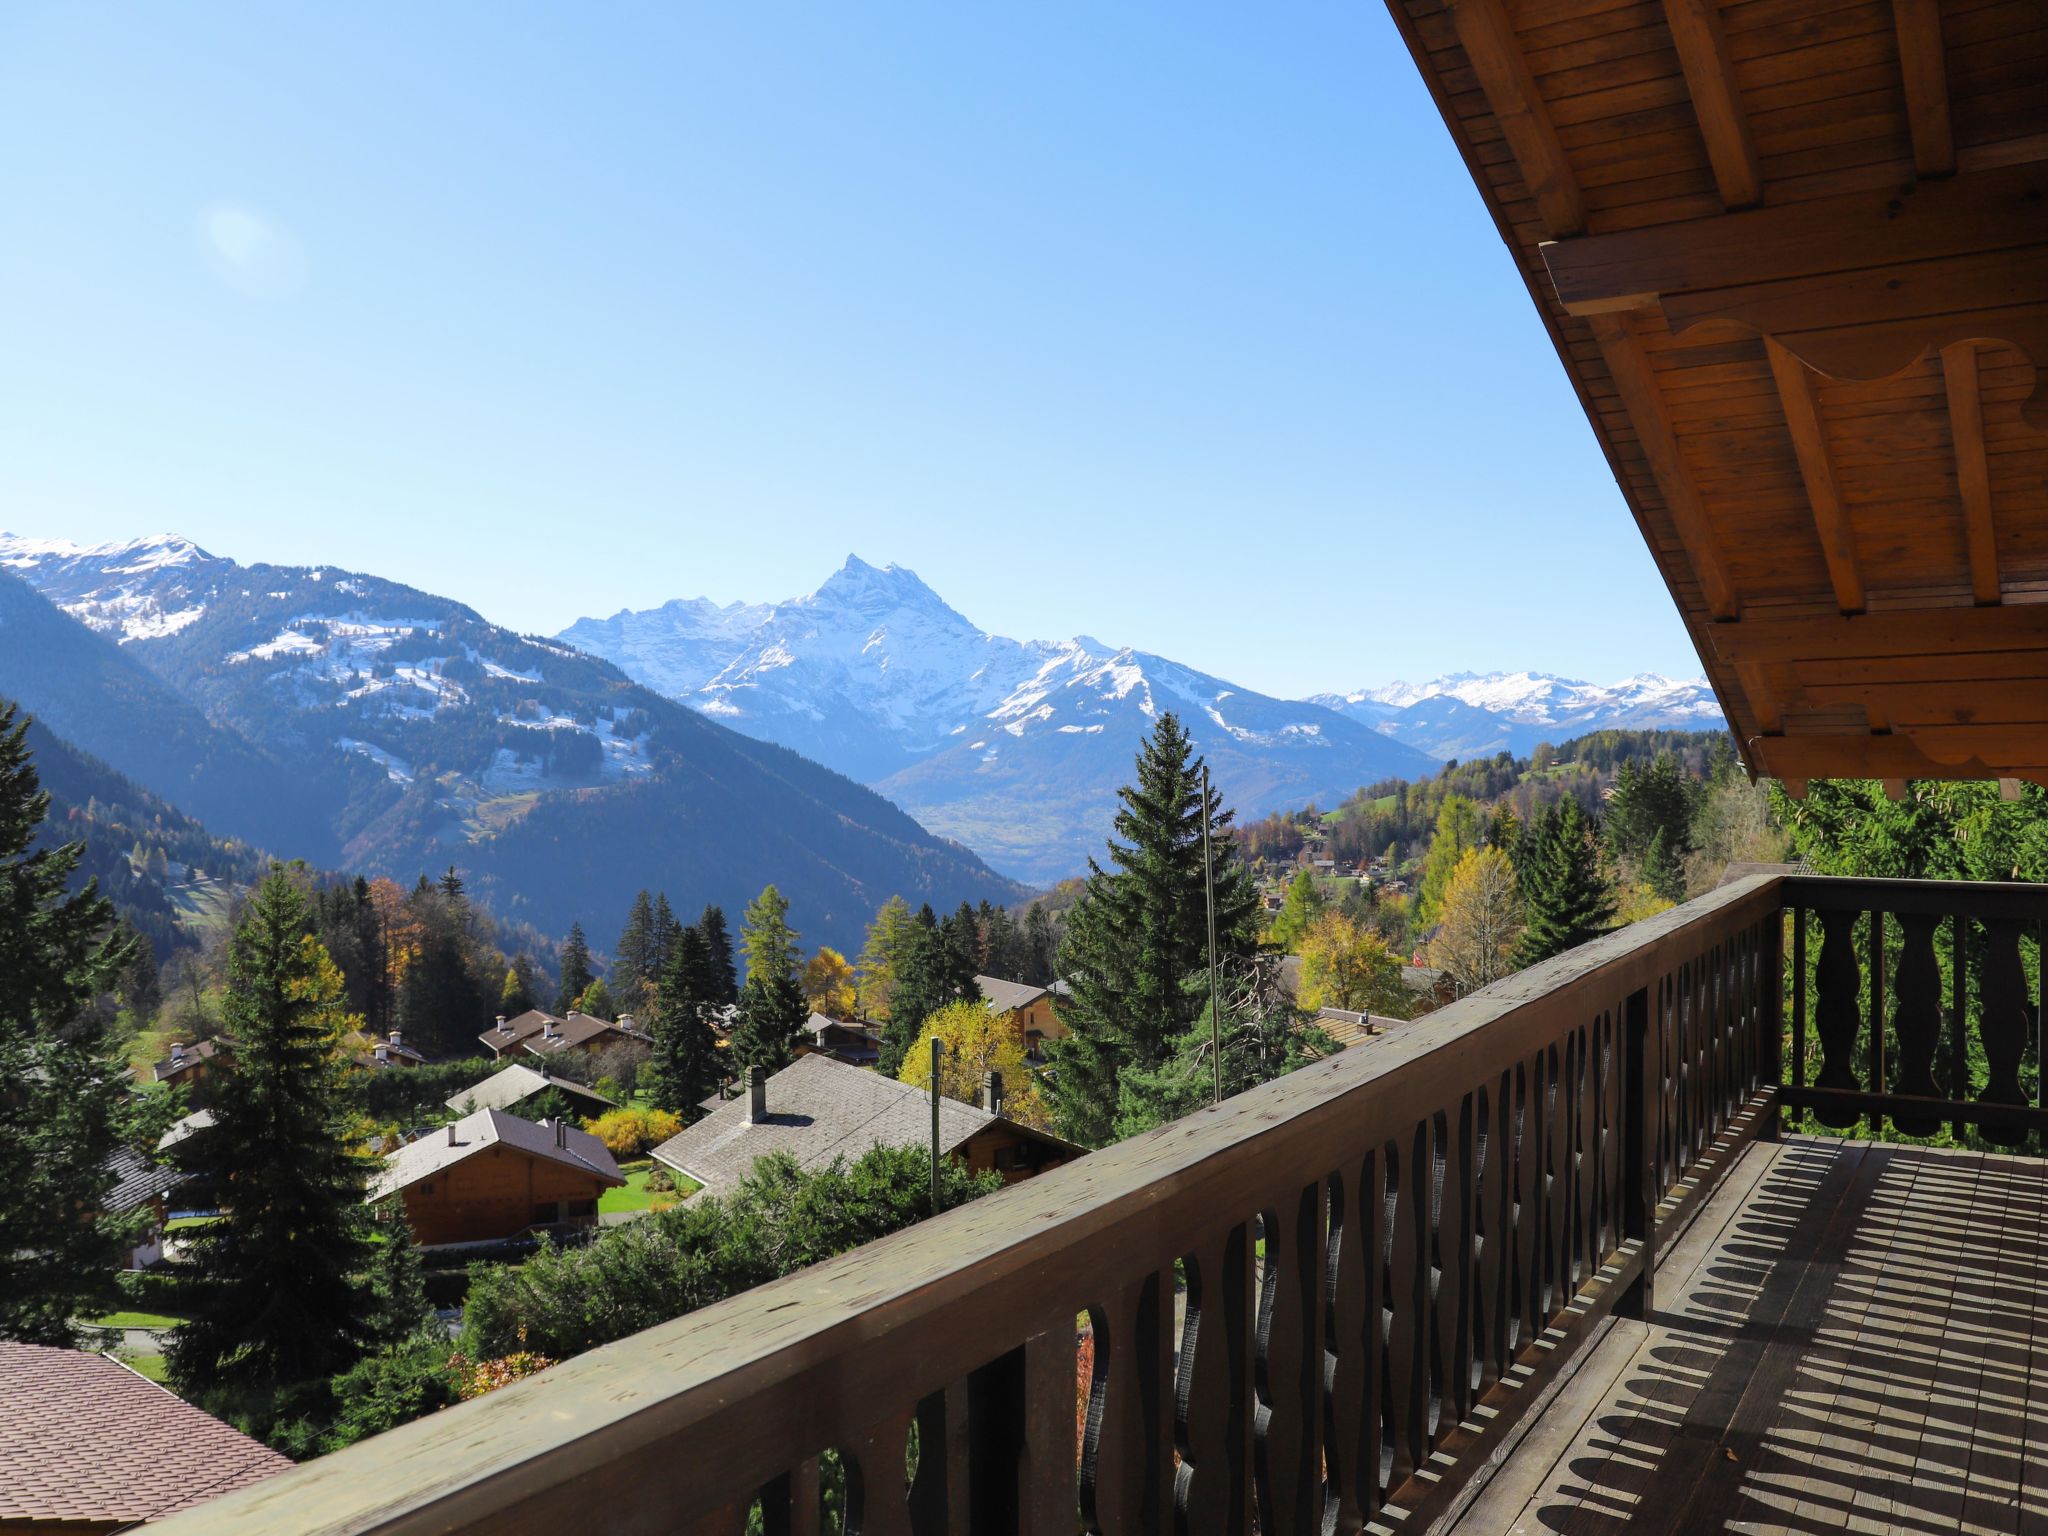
x: 888, y: 939
x: 1565, y: 894
x: 667, y: 930
x: 1457, y: 831
x: 1663, y: 871
x: 771, y: 1006
x: 718, y: 939
x: 576, y: 972
x: 282, y: 1292
x: 597, y: 1001
x: 64, y: 1107
x: 515, y: 996
x: 933, y: 969
x: 633, y: 971
x: 686, y: 1070
x: 1304, y: 906
x: 1137, y: 940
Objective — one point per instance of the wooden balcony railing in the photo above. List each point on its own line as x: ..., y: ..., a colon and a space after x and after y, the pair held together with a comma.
x: 1330, y: 1300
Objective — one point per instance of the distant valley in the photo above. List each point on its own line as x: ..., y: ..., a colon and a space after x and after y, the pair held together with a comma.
x: 1016, y: 748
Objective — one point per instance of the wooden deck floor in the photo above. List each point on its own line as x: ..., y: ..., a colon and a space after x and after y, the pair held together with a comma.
x: 1850, y: 1337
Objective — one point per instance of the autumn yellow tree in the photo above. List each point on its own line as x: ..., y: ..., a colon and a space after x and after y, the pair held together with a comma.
x: 828, y: 984
x: 889, y: 938
x: 1482, y: 919
x: 976, y: 1042
x: 1344, y: 964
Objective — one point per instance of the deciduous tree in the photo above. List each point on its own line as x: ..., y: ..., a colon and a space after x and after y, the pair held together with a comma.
x: 1482, y: 918
x: 1345, y: 964
x: 974, y: 1042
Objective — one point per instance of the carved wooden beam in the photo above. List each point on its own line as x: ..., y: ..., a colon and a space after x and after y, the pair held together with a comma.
x: 1858, y: 285
x: 1924, y: 66
x: 1973, y: 470
x: 1495, y: 54
x: 1636, y: 382
x: 1716, y: 102
x: 1800, y: 397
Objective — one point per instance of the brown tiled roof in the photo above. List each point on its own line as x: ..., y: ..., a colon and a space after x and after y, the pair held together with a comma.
x: 84, y: 1438
x: 464, y: 1138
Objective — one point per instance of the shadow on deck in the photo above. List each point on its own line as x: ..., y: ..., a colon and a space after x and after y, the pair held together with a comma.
x: 1846, y: 1339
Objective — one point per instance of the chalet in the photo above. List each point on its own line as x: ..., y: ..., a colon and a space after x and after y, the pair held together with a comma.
x: 858, y: 1045
x: 515, y: 1085
x: 141, y: 1184
x: 505, y: 1036
x: 1029, y: 1008
x: 492, y: 1175
x: 193, y: 1065
x: 89, y: 1447
x: 373, y: 1054
x: 818, y: 1109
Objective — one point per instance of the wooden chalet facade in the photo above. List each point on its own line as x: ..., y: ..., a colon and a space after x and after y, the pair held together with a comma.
x: 1560, y: 1255
x: 491, y: 1176
x: 1029, y: 1009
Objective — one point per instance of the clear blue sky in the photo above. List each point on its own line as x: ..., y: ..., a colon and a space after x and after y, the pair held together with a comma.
x: 1177, y: 324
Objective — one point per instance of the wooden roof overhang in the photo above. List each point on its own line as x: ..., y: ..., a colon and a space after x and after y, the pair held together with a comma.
x: 1794, y: 256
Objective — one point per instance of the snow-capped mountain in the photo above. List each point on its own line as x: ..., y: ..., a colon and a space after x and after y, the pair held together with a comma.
x: 1465, y: 714
x: 1013, y: 747
x: 362, y: 724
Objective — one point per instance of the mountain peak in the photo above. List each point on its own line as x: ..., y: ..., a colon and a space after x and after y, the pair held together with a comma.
x: 874, y: 589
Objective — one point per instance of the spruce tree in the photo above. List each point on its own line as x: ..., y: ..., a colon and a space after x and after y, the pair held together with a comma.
x: 1137, y: 940
x: 667, y: 931
x: 888, y: 939
x: 1566, y: 895
x: 772, y: 1010
x: 1663, y: 871
x: 686, y: 1069
x: 918, y: 988
x: 282, y: 1291
x: 64, y: 1107
x: 719, y: 940
x: 633, y: 971
x: 576, y: 973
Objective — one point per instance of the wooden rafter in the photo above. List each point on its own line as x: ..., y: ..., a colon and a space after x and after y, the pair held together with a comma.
x: 1636, y: 382
x: 1716, y: 103
x: 1799, y: 393
x: 1973, y: 472
x: 1951, y: 641
x: 1495, y: 54
x: 1924, y: 66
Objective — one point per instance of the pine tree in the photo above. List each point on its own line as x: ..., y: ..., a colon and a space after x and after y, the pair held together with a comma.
x: 719, y: 941
x: 686, y: 1070
x: 1137, y: 940
x: 667, y: 931
x: 282, y: 1292
x: 634, y: 971
x: 576, y: 972
x: 772, y: 1011
x: 451, y: 885
x: 64, y: 1108
x: 918, y: 988
x: 1041, y: 947
x: 1663, y: 871
x: 1566, y: 896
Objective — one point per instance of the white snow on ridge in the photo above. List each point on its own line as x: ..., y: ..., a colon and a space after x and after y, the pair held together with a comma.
x: 1542, y: 698
x: 396, y: 768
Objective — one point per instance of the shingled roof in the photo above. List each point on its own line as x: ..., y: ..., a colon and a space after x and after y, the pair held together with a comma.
x: 819, y: 1109
x: 1007, y: 996
x: 515, y: 1084
x: 85, y: 1439
x: 138, y: 1180
x: 465, y: 1138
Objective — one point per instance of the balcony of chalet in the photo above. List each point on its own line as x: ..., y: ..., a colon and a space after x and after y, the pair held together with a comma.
x: 1629, y: 1237
x: 1609, y: 1242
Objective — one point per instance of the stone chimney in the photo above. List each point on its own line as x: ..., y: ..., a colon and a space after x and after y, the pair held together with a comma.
x: 451, y: 1135
x: 992, y: 1092
x: 383, y: 1053
x: 548, y: 1030
x: 503, y: 1029
x: 757, y: 1094
x: 625, y: 1021
x: 177, y: 1055
x: 394, y: 1037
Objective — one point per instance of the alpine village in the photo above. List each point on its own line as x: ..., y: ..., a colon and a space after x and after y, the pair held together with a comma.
x: 697, y: 1073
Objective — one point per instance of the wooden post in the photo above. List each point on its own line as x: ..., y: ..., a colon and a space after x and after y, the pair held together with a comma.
x: 1209, y: 897
x: 1639, y: 1109
x: 938, y: 1051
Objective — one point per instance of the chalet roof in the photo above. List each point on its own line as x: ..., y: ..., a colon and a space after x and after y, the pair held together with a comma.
x: 1007, y: 996
x: 465, y: 1138
x: 516, y: 1083
x: 819, y: 1109
x: 183, y: 1057
x: 517, y: 1028
x: 138, y: 1180
x: 1793, y: 264
x: 86, y: 1439
x: 199, y: 1120
x: 578, y: 1029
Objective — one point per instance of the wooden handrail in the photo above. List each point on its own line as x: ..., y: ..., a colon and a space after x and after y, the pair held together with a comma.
x: 967, y: 1320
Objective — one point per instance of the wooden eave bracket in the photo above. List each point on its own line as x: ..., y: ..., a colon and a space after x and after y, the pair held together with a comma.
x: 1858, y: 285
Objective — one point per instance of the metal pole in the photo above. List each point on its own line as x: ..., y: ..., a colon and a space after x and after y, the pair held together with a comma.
x: 938, y: 1049
x: 1209, y: 896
